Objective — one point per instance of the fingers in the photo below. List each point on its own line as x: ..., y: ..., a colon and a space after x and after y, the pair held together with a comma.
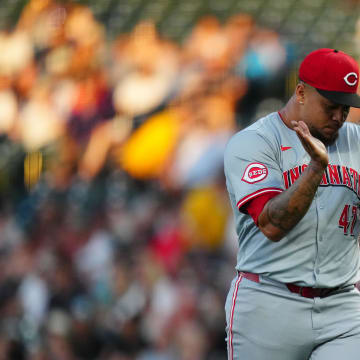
x: 314, y: 147
x: 301, y: 128
x: 304, y: 135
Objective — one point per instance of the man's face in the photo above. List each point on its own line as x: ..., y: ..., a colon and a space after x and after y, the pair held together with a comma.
x: 323, y: 117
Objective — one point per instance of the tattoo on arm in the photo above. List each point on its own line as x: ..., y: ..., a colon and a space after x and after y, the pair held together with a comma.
x: 287, y: 209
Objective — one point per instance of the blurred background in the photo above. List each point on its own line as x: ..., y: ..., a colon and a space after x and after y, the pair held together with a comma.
x: 116, y: 234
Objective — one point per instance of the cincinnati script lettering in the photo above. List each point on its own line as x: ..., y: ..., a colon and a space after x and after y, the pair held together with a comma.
x: 334, y: 175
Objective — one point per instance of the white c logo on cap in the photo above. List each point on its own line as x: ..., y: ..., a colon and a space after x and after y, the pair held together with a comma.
x: 346, y: 78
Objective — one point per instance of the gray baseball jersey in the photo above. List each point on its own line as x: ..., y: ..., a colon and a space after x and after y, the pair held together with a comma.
x: 322, y: 249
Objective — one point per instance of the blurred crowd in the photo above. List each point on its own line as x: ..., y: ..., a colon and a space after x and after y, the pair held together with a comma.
x: 116, y: 238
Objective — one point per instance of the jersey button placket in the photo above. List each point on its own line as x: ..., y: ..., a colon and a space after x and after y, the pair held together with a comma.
x: 319, y: 236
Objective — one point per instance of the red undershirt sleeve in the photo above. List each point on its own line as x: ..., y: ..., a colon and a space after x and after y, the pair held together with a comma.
x: 255, y: 206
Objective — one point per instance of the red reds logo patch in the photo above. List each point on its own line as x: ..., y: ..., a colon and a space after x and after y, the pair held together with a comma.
x: 254, y: 173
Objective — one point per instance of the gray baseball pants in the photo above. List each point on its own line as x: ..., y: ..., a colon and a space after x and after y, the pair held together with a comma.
x: 265, y: 321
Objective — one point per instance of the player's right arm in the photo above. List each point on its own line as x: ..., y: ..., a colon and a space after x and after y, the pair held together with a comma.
x: 281, y: 213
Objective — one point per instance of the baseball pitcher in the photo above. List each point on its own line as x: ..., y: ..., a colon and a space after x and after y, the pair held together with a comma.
x: 293, y: 179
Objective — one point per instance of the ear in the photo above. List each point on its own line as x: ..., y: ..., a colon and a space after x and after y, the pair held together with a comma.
x: 300, y: 93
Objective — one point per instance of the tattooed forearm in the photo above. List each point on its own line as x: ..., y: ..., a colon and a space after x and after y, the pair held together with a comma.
x: 284, y: 211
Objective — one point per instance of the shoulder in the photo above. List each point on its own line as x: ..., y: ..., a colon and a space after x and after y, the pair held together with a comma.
x: 260, y: 134
x: 350, y: 130
x: 351, y: 126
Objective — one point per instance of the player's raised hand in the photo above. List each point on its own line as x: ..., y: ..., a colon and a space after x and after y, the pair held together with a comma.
x: 313, y: 146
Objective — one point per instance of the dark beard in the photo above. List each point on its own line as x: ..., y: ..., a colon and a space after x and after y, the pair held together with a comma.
x: 323, y: 139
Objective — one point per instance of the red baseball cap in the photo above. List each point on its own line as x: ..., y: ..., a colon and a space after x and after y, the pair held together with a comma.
x: 334, y: 74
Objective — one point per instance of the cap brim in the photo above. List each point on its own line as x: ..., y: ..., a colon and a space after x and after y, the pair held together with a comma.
x: 349, y: 99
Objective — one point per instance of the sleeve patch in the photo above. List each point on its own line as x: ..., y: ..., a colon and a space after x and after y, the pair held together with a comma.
x: 254, y: 173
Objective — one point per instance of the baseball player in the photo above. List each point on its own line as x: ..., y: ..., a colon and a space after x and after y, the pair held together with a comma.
x: 293, y: 179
